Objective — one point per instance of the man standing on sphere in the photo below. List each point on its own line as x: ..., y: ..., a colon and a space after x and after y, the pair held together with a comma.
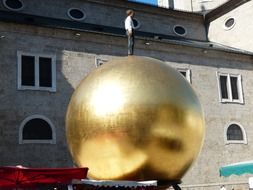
x: 129, y: 26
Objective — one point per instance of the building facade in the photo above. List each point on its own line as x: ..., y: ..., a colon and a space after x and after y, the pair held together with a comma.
x: 191, y: 5
x: 232, y: 27
x: 47, y: 50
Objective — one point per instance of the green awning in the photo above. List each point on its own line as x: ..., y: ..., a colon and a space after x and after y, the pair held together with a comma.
x: 237, y: 169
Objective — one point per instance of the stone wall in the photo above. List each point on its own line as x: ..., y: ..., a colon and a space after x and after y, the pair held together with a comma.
x: 75, y: 58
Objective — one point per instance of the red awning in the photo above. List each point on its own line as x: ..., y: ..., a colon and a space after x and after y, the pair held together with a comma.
x: 25, y: 177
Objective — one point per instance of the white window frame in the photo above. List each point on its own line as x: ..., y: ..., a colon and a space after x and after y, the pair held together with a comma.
x: 224, y: 23
x: 36, y: 86
x: 244, y: 141
x: 100, y: 61
x: 229, y: 90
x: 188, y: 73
x: 36, y: 116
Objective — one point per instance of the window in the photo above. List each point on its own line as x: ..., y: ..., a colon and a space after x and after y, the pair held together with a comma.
x: 36, y: 72
x: 186, y: 73
x: 179, y: 30
x: 76, y: 14
x: 14, y: 5
x: 229, y: 23
x: 234, y: 133
x: 36, y: 129
x: 100, y: 62
x: 230, y: 88
x: 136, y: 23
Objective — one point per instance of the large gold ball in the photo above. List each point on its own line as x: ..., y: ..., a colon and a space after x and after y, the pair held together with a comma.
x: 134, y: 118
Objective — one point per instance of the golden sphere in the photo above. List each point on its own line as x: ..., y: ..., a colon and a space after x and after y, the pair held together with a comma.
x: 134, y: 118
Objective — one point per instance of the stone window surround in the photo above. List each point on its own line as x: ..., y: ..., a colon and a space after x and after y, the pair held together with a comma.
x: 224, y: 23
x: 36, y: 116
x: 178, y: 33
x: 239, y: 87
x: 244, y: 141
x: 73, y: 18
x: 37, y: 87
x: 6, y: 6
x: 188, y: 73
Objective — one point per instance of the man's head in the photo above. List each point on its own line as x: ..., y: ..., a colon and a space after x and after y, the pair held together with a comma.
x: 130, y: 12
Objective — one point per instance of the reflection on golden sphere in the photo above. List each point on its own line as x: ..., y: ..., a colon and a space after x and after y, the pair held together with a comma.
x: 134, y: 118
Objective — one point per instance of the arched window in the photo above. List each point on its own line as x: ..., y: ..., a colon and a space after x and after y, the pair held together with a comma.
x: 235, y: 134
x: 37, y: 129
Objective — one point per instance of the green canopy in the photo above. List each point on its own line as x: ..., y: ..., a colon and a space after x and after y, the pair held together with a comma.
x: 237, y: 168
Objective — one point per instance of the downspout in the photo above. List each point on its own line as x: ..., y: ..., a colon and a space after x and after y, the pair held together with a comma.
x: 206, y: 24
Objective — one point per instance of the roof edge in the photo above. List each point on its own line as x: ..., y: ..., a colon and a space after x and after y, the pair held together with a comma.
x: 21, y: 18
x: 142, y: 7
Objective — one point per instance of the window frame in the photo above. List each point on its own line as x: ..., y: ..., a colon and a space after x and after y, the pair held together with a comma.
x: 138, y: 24
x: 229, y: 88
x: 244, y: 135
x: 36, y: 74
x: 188, y: 73
x: 36, y: 116
x: 174, y: 30
x: 230, y: 27
x: 19, y: 9
x: 76, y: 19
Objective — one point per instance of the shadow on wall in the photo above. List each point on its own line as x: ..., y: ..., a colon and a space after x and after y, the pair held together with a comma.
x: 75, y: 58
x: 17, y: 105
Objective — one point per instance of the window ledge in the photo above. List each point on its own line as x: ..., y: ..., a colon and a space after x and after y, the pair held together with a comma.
x: 236, y: 142
x: 37, y: 142
x: 22, y: 88
x: 231, y: 102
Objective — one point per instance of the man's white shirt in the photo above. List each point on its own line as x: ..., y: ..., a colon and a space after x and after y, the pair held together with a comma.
x: 129, y: 25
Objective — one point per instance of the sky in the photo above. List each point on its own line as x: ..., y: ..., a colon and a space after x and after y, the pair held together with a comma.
x: 152, y: 2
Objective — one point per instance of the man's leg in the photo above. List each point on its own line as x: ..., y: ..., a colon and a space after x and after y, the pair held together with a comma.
x: 130, y: 44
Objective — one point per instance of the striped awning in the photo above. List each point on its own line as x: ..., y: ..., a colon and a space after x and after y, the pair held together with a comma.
x: 237, y: 169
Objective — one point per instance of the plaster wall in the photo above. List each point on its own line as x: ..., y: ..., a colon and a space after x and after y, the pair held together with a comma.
x: 239, y: 35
